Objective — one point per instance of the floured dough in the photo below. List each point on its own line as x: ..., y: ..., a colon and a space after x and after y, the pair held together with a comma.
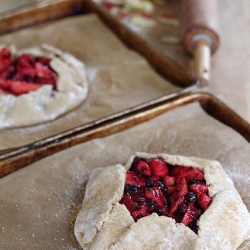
x: 103, y: 223
x: 45, y: 104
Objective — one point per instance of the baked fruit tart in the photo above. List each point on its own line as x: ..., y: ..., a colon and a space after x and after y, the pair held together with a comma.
x: 38, y: 84
x: 162, y: 202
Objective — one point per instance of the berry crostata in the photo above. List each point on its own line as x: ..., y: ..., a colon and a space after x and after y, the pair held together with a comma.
x: 38, y: 84
x: 162, y: 202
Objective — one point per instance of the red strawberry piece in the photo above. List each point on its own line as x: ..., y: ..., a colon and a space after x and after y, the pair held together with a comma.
x: 133, y: 179
x: 26, y: 75
x: 177, y: 195
x: 156, y: 195
x: 18, y: 76
x: 139, y: 213
x: 189, y: 173
x: 128, y: 202
x: 158, y: 167
x: 191, y: 214
x: 5, y: 53
x: 42, y: 70
x: 155, y: 179
x: 18, y: 87
x: 170, y: 189
x: 5, y: 84
x: 45, y: 75
x: 164, y: 211
x: 168, y: 180
x: 44, y: 60
x: 199, y: 188
x: 143, y: 168
x: 25, y: 67
x: 25, y: 61
x: 3, y: 92
x: 5, y: 58
x: 204, y: 201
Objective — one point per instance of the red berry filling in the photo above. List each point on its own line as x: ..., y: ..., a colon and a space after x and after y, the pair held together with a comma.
x: 179, y: 192
x: 24, y: 73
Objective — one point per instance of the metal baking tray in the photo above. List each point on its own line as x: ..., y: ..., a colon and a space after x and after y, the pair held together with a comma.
x: 163, y: 62
x: 16, y: 158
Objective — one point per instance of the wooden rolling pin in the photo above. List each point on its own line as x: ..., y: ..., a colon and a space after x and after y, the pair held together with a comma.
x: 199, y: 34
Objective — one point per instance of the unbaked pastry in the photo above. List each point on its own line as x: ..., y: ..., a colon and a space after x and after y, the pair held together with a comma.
x: 46, y: 104
x: 104, y: 223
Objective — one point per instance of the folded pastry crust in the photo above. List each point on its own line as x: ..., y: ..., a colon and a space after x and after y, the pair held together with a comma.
x: 103, y: 223
x: 46, y: 104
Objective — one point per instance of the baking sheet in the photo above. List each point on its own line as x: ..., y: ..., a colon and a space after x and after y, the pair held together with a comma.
x: 116, y: 74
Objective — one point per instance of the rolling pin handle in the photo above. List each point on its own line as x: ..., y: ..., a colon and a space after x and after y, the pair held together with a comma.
x: 199, y: 34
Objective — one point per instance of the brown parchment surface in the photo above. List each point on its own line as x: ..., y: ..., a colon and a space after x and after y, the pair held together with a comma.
x: 38, y: 204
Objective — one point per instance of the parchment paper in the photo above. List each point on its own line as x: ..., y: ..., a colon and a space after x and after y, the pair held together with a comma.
x: 38, y: 204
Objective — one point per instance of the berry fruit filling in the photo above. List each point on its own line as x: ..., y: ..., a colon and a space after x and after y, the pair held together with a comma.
x: 154, y: 186
x: 24, y: 73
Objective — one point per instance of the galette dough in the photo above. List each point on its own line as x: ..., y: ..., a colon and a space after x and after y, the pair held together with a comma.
x: 45, y: 104
x: 103, y: 223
